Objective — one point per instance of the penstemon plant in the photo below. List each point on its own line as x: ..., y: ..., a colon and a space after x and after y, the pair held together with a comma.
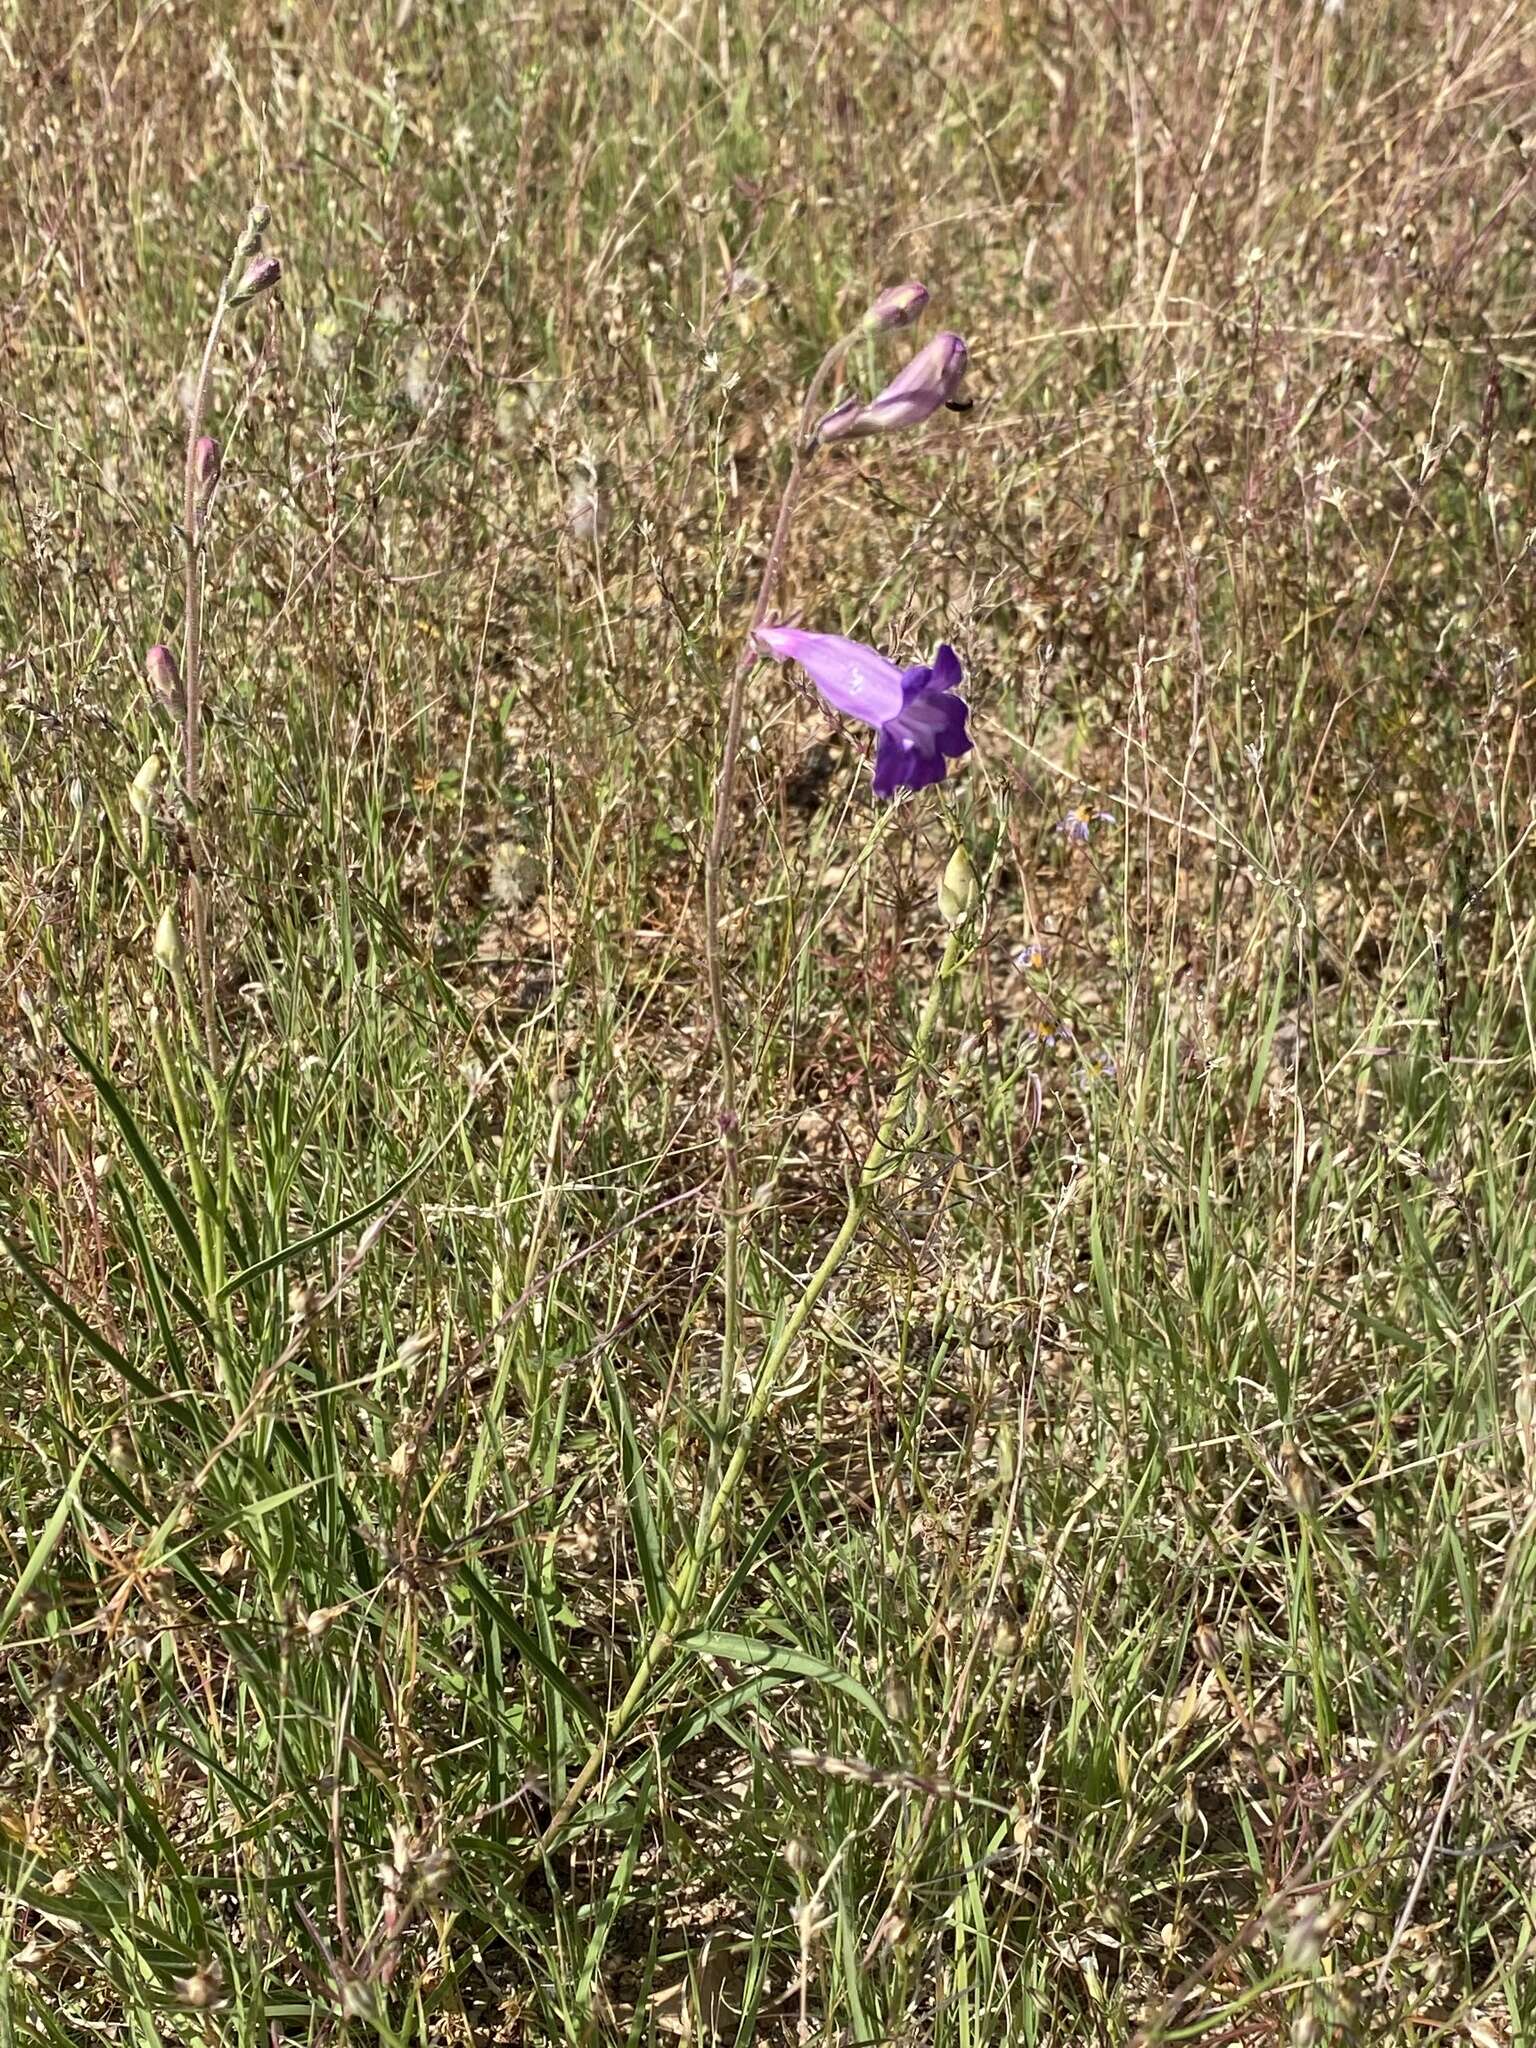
x: 179, y: 690
x: 921, y: 724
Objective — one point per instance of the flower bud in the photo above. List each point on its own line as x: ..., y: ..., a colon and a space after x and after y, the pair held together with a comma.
x: 959, y: 891
x: 164, y: 675
x: 207, y: 461
x: 168, y: 947
x: 260, y: 276
x: 257, y: 221
x: 145, y: 785
x: 898, y: 306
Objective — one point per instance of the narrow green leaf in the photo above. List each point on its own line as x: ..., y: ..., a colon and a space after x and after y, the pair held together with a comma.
x: 350, y: 1221
x: 784, y: 1661
x: 149, y: 1166
x: 527, y: 1647
x: 608, y: 1911
x: 43, y: 1548
x: 642, y: 1516
x: 72, y: 1318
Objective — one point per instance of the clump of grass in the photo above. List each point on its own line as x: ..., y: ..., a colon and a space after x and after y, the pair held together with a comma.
x: 1120, y: 1616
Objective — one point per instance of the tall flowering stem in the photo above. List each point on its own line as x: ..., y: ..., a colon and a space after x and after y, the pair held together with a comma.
x: 714, y: 868
x: 891, y: 1145
x: 249, y: 274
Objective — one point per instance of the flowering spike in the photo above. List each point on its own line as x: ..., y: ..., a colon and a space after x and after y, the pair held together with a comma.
x: 898, y: 306
x: 165, y: 683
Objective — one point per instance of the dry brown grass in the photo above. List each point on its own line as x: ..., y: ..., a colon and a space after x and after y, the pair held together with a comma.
x: 1125, y: 1618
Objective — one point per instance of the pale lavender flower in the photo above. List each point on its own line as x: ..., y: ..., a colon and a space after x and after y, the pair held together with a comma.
x: 913, y: 395
x: 899, y: 305
x: 164, y: 676
x: 839, y: 423
x: 920, y: 721
x: 1077, y: 826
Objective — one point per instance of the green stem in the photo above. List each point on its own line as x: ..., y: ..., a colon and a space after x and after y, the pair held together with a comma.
x: 687, y: 1576
x: 192, y: 679
x: 714, y: 870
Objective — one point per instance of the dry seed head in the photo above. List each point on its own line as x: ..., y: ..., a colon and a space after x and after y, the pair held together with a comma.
x: 303, y: 1301
x: 370, y: 1237
x: 1304, y: 1938
x: 586, y: 514
x: 1188, y: 1808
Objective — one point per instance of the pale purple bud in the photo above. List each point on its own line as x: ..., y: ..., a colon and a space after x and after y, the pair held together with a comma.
x: 207, y: 460
x: 260, y: 276
x: 165, y: 680
x: 898, y: 306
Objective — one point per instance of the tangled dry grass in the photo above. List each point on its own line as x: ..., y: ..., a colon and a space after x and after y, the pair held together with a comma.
x: 1124, y: 1621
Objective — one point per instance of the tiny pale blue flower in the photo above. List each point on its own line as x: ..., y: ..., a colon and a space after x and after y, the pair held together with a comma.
x: 1077, y: 826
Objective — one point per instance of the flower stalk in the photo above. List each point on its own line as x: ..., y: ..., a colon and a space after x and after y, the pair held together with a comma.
x: 895, y: 308
x: 884, y: 1157
x: 714, y: 866
x: 248, y: 275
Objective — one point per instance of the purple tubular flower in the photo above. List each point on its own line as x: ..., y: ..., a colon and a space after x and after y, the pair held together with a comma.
x: 920, y: 721
x: 930, y: 380
x: 841, y: 422
x: 913, y: 395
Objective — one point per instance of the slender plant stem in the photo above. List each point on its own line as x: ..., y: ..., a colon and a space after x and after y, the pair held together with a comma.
x: 192, y: 722
x: 714, y: 869
x: 687, y: 1576
x: 193, y: 506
